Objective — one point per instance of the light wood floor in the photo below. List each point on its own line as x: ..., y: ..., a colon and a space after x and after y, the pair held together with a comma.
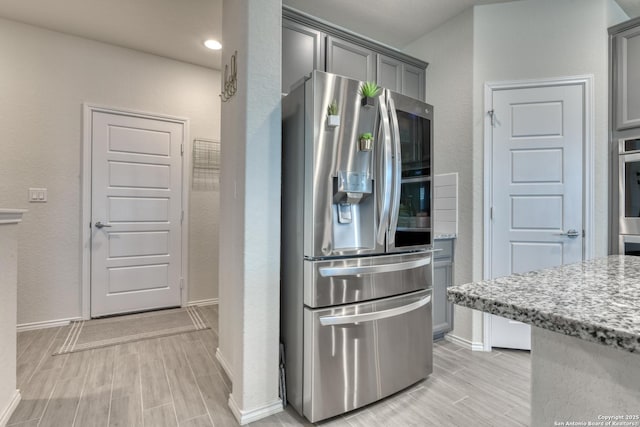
x: 176, y: 381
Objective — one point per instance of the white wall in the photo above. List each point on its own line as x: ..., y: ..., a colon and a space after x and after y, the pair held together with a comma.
x: 534, y: 39
x: 250, y: 208
x: 204, y: 225
x: 45, y: 77
x: 449, y: 52
x: 525, y: 39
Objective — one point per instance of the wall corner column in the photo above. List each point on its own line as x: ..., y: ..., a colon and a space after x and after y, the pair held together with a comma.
x: 250, y: 208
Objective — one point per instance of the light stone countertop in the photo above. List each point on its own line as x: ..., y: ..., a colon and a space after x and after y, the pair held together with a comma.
x: 596, y: 300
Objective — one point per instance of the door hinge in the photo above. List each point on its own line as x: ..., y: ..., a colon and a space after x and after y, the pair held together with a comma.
x: 181, y: 217
x: 491, y: 213
x: 584, y: 234
x: 181, y: 149
x: 181, y: 283
x: 491, y: 114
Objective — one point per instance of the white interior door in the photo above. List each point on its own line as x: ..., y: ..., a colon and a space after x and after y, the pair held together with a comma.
x: 136, y: 209
x: 537, y: 188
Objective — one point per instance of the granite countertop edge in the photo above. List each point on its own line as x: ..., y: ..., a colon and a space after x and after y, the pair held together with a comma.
x: 592, y: 332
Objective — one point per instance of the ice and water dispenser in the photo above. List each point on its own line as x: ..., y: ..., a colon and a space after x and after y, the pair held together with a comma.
x: 350, y: 188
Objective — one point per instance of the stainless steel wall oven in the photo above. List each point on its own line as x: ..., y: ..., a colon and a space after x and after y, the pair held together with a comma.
x: 625, y: 196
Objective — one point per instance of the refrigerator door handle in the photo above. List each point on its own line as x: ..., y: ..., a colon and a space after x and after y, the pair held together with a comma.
x: 397, y: 171
x: 373, y: 269
x: 376, y: 315
x: 386, y: 170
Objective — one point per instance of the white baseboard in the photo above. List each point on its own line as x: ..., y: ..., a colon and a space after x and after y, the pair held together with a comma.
x: 6, y: 413
x: 251, y: 415
x: 224, y: 364
x: 465, y: 343
x: 46, y: 324
x: 203, y: 302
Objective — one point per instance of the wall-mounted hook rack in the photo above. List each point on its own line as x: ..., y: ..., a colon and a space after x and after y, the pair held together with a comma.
x: 230, y: 84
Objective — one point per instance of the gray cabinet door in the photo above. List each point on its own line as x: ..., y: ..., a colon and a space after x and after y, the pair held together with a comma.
x: 302, y: 52
x: 442, y: 279
x: 401, y: 77
x: 413, y: 81
x: 389, y: 73
x: 350, y: 60
x: 442, y: 309
x: 626, y: 74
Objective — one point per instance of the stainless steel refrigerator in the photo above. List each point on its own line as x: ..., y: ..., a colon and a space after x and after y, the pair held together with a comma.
x: 356, y: 244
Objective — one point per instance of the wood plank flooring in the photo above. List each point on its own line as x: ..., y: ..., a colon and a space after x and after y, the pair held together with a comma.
x: 176, y: 381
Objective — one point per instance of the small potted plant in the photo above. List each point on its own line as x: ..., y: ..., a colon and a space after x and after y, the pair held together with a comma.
x: 366, y: 142
x: 368, y: 91
x: 333, y: 119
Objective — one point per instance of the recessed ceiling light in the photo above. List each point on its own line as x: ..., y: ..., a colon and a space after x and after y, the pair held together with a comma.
x: 213, y: 44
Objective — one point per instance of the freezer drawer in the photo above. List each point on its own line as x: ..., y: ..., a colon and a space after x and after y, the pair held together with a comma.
x: 350, y: 280
x: 360, y: 353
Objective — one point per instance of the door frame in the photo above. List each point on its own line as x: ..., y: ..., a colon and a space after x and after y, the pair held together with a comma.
x: 588, y: 160
x: 86, y: 173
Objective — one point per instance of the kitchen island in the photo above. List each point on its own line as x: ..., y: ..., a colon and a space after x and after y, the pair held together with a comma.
x: 585, y: 358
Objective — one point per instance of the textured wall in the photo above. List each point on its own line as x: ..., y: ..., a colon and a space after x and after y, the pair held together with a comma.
x: 508, y: 41
x: 44, y: 79
x: 250, y: 208
x: 449, y: 52
x: 536, y: 39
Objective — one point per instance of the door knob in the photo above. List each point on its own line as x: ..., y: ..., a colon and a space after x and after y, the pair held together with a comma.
x: 100, y: 225
x: 571, y: 233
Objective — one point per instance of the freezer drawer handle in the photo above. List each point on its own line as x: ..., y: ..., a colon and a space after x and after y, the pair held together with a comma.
x: 373, y: 269
x: 376, y: 315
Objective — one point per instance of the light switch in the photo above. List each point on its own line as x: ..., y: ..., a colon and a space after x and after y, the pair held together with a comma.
x: 37, y: 195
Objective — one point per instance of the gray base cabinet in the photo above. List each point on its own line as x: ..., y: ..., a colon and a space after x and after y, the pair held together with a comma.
x: 442, y: 279
x: 310, y: 44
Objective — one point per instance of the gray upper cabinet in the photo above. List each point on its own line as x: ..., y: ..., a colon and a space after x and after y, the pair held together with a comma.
x: 401, y: 77
x: 350, y: 60
x: 311, y: 44
x: 302, y: 52
x: 626, y: 69
x: 389, y: 73
x: 413, y: 81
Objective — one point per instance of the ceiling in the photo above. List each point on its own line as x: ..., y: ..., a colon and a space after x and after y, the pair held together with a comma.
x: 396, y: 23
x: 630, y: 7
x: 177, y: 28
x: 171, y: 28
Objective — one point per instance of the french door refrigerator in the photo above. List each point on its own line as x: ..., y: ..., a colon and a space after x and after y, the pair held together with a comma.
x: 356, y: 245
